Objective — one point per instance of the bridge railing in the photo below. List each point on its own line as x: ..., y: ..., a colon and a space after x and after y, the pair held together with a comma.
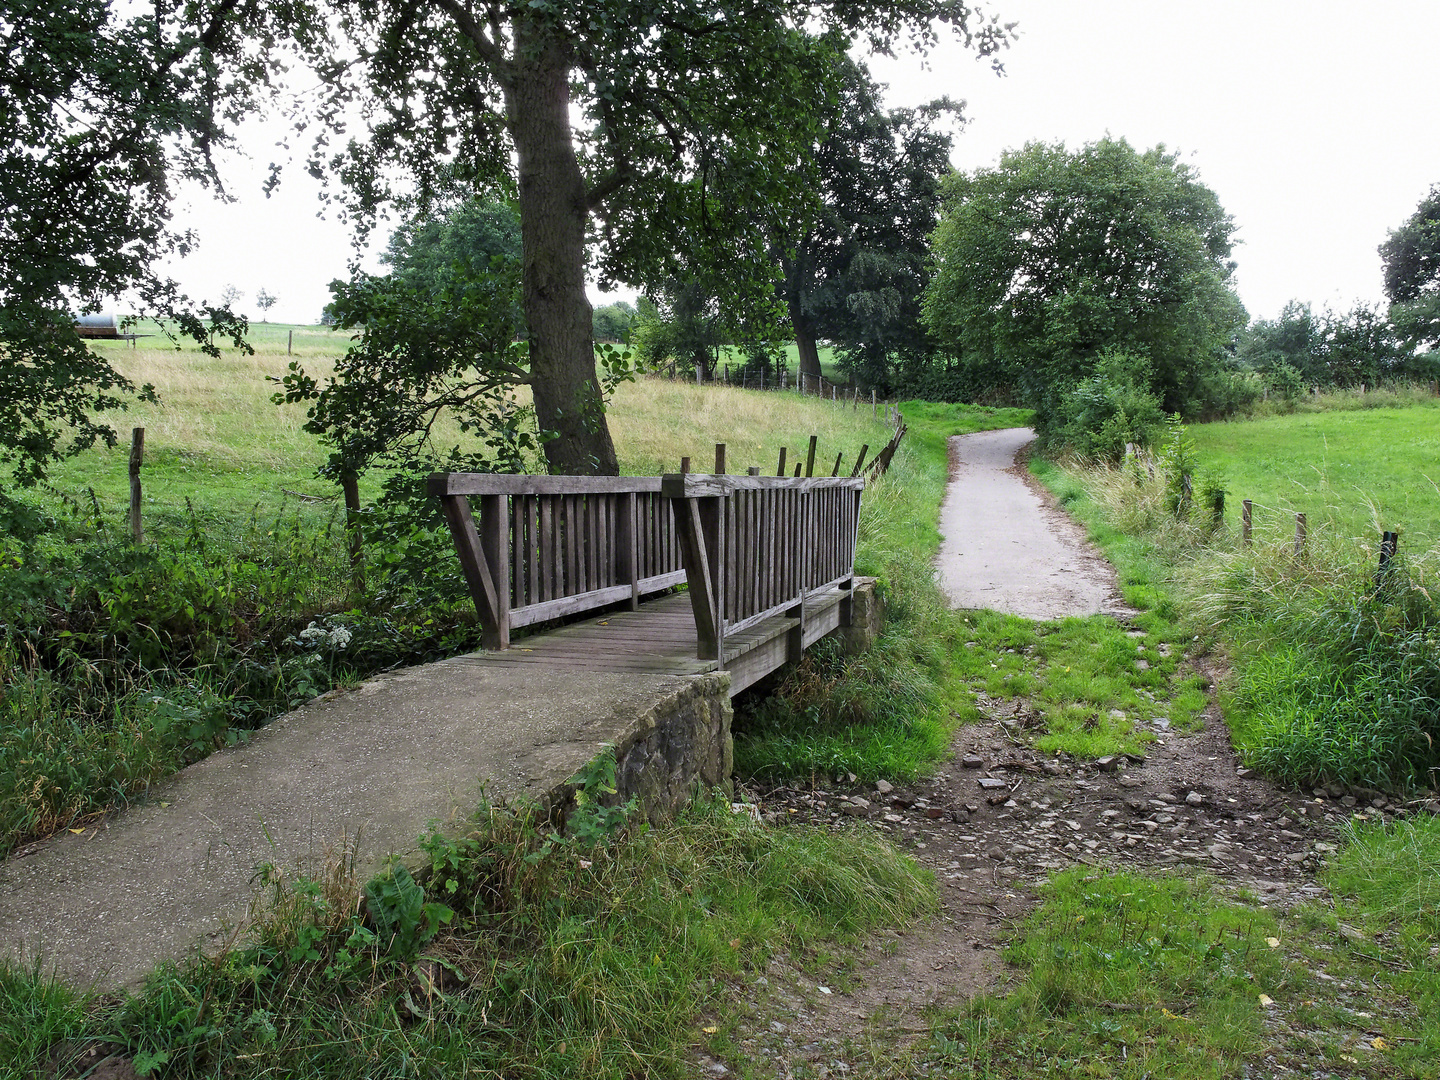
x: 549, y: 546
x: 756, y: 546
x: 750, y: 547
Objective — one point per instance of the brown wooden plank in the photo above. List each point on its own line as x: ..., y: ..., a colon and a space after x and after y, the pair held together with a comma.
x: 690, y: 522
x: 494, y: 534
x: 477, y: 574
x: 568, y: 514
x: 441, y: 484
x: 549, y: 555
x: 701, y: 485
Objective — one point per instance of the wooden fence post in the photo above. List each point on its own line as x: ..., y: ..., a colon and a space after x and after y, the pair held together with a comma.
x: 874, y: 408
x: 836, y: 470
x: 137, y: 458
x: 290, y: 344
x: 1389, y: 543
x: 1299, y: 535
x: 1245, y: 520
x: 810, y: 456
x: 780, y: 469
x: 860, y: 461
x: 719, y: 459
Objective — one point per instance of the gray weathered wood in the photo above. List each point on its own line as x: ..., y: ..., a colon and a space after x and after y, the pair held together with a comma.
x: 703, y: 485
x: 137, y: 459
x: 477, y: 574
x: 441, y: 484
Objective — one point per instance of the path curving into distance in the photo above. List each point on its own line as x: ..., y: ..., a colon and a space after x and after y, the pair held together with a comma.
x: 1006, y: 548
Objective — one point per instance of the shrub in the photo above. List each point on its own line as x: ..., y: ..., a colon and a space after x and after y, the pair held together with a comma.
x: 1112, y: 408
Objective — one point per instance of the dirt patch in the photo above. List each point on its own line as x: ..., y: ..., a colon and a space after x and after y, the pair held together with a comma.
x: 995, y: 823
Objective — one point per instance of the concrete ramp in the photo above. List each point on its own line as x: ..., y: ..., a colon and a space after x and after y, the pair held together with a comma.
x: 173, y: 873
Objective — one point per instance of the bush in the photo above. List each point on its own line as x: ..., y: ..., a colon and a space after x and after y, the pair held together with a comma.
x: 1112, y: 408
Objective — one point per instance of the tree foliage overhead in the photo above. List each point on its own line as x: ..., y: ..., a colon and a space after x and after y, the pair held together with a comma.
x: 100, y: 114
x: 1411, y: 257
x: 680, y: 100
x: 1053, y: 256
x: 855, y: 270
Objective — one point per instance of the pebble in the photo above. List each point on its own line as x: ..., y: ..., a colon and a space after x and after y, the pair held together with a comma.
x: 1194, y: 798
x: 884, y: 787
x: 973, y: 761
x: 989, y: 783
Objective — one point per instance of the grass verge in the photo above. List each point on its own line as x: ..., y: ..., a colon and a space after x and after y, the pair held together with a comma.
x: 524, y: 954
x: 1122, y: 975
x: 1336, y: 669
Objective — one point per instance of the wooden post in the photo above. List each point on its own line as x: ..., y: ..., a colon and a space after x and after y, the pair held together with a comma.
x: 836, y: 470
x: 494, y: 534
x: 137, y: 458
x: 797, y: 468
x: 627, y: 551
x: 290, y: 344
x: 1299, y: 535
x: 472, y: 562
x: 684, y: 465
x: 753, y: 470
x: 874, y: 407
x: 1245, y: 520
x: 350, y: 485
x: 780, y: 469
x: 719, y: 459
x: 1389, y: 543
x: 860, y: 461
x: 810, y: 456
x: 700, y: 373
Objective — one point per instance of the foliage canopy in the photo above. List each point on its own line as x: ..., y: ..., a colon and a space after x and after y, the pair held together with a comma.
x: 1411, y: 256
x: 693, y: 117
x: 1052, y: 256
x: 100, y: 115
x: 856, y: 268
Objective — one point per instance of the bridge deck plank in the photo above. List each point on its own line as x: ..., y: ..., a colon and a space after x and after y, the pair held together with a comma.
x: 659, y: 638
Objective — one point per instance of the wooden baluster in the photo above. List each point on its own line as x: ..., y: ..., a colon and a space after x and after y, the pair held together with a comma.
x: 495, y: 542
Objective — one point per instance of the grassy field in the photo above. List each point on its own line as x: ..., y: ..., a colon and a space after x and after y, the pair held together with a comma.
x: 216, y: 439
x: 1336, y: 670
x: 1352, y: 472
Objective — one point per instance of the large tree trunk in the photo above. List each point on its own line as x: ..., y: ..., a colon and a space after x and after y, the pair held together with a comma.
x: 809, y: 361
x: 809, y: 354
x: 553, y: 213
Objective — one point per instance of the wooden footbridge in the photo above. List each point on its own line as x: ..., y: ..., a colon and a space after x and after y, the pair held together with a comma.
x: 769, y: 565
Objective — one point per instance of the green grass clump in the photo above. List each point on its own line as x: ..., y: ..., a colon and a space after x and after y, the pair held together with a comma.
x: 559, y: 959
x: 1376, y: 936
x: 1122, y: 975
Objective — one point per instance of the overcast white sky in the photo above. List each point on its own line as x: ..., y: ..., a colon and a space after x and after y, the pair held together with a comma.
x: 1316, y: 122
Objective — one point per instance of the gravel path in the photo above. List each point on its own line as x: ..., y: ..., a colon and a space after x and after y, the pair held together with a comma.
x: 1006, y: 547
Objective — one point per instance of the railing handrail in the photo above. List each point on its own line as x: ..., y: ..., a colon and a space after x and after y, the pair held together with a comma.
x: 463, y: 483
x: 749, y: 547
x: 704, y: 485
x: 551, y: 546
